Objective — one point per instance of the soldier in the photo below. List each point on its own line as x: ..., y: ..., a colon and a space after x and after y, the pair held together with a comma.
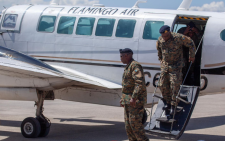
x: 134, y: 96
x: 170, y: 52
x: 193, y: 32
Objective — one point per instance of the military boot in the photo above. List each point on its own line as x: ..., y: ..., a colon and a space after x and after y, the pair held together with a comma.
x: 166, y: 105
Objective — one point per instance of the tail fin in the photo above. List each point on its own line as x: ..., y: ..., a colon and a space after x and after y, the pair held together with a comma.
x: 185, y: 5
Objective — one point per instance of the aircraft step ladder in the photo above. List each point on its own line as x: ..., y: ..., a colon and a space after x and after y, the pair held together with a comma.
x: 161, y: 125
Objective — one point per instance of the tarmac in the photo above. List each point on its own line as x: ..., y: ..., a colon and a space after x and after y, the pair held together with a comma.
x: 74, y: 121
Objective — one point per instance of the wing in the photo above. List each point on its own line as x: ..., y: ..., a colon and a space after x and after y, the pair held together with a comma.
x: 20, y: 70
x: 21, y: 76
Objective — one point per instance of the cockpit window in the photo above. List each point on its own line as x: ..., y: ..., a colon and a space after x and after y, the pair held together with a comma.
x: 11, y: 54
x: 125, y: 28
x: 85, y: 26
x: 151, y: 30
x: 47, y: 23
x: 66, y: 25
x: 222, y: 35
x: 10, y: 21
x: 105, y: 27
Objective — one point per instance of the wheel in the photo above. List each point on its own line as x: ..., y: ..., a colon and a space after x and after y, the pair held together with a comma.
x: 204, y: 83
x: 45, y: 127
x: 145, y: 117
x: 30, y: 127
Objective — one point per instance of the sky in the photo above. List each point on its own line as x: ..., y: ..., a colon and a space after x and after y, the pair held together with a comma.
x: 197, y: 5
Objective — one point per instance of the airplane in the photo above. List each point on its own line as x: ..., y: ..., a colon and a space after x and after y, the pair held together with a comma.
x: 72, y: 53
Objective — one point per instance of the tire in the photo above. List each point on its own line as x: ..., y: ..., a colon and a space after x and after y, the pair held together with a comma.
x: 45, y: 127
x: 30, y: 128
x: 205, y: 80
x: 145, y: 117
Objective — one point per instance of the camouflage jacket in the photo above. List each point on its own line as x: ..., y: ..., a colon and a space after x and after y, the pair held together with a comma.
x: 171, y: 52
x: 134, y: 84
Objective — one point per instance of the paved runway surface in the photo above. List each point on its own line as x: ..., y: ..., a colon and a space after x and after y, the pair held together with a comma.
x: 73, y: 121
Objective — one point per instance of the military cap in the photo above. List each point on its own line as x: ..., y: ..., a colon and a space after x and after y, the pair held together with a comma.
x: 164, y: 29
x: 126, y: 50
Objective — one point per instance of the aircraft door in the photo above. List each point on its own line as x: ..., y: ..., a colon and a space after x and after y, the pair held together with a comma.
x: 44, y: 37
x: 147, y: 53
x: 12, y: 18
x: 213, y: 44
x: 213, y: 66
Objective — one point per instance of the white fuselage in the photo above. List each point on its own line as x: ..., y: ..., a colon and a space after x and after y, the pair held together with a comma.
x: 98, y: 55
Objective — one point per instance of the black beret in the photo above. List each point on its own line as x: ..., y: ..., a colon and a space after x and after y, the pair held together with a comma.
x: 164, y: 28
x: 126, y: 50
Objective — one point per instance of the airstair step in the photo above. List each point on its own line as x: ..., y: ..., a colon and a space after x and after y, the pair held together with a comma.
x: 181, y: 99
x: 166, y: 120
x: 179, y: 109
x: 159, y: 131
x: 183, y: 95
x: 157, y: 96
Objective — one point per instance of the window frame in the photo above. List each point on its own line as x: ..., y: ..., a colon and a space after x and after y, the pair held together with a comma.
x: 112, y: 29
x: 3, y: 20
x: 75, y: 22
x: 221, y: 33
x: 93, y: 29
x: 145, y: 27
x: 136, y: 22
x: 47, y: 16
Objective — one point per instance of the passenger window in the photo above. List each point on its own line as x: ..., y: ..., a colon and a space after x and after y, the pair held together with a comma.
x: 10, y: 21
x: 47, y: 24
x: 85, y: 26
x: 125, y: 28
x: 105, y: 27
x: 66, y: 25
x: 151, y: 30
x: 222, y: 35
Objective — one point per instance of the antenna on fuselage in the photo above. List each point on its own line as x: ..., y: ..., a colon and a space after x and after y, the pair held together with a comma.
x: 136, y: 4
x: 54, y: 2
x: 185, y: 5
x: 4, y: 7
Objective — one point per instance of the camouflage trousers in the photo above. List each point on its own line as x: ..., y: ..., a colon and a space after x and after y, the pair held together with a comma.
x: 133, y: 123
x: 169, y: 84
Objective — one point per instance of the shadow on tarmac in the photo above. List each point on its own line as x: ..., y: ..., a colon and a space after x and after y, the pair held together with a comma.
x: 113, y: 131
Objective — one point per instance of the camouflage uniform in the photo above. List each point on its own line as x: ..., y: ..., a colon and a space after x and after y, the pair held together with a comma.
x: 191, y: 75
x: 171, y: 57
x: 134, y: 86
